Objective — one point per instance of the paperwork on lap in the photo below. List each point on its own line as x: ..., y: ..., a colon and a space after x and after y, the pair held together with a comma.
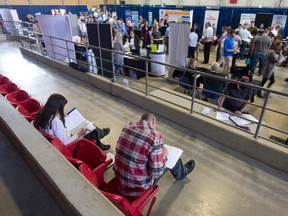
x: 173, y: 156
x: 74, y: 122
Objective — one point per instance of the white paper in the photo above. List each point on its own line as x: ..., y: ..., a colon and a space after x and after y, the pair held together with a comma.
x: 222, y: 116
x: 173, y: 156
x: 109, y: 155
x: 205, y: 111
x: 239, y: 121
x: 74, y: 122
x: 250, y: 117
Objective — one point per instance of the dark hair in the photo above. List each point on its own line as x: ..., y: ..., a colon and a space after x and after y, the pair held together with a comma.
x: 231, y: 31
x: 54, y: 105
x: 254, y: 31
x: 192, y: 29
x: 149, y: 28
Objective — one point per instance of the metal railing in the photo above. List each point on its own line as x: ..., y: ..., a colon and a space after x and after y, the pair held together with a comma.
x: 149, y: 83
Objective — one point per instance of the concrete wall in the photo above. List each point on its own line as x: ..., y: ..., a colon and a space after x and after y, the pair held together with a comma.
x: 269, y: 153
x: 70, y: 190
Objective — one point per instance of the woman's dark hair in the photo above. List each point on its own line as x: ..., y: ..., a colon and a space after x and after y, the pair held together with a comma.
x: 54, y: 105
x: 192, y: 29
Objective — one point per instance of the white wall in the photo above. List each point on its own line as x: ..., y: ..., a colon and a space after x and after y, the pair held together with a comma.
x: 241, y: 3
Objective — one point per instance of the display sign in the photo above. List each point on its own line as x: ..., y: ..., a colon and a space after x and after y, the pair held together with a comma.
x: 128, y: 14
x: 247, y: 18
x: 150, y: 17
x: 279, y: 20
x: 175, y: 15
x: 212, y: 17
x: 135, y: 18
x: 263, y: 20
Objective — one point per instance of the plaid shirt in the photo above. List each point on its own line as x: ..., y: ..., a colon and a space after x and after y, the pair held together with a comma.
x: 139, y: 158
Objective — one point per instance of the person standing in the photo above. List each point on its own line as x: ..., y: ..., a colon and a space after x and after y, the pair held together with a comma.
x: 273, y: 57
x: 197, y: 31
x: 207, y: 39
x: 193, y: 39
x: 228, y: 50
x: 244, y: 35
x: 118, y: 58
x: 259, y: 50
x: 141, y: 158
x: 222, y: 37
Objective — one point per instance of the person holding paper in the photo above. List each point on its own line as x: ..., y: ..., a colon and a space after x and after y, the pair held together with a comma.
x: 236, y: 91
x: 51, y: 120
x: 141, y: 159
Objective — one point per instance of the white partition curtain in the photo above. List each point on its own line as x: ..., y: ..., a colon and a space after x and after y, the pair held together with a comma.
x: 178, y: 44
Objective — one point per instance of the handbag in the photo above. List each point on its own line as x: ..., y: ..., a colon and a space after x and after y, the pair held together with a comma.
x: 248, y: 61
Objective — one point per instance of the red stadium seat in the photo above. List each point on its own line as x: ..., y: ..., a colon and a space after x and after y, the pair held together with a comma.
x: 29, y: 109
x: 132, y: 206
x: 82, y: 151
x: 15, y: 98
x: 6, y: 89
x: 4, y: 80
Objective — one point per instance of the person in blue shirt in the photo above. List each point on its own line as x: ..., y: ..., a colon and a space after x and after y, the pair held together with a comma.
x: 228, y: 50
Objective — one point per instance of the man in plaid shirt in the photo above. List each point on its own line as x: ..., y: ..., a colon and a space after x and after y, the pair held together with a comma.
x: 141, y: 158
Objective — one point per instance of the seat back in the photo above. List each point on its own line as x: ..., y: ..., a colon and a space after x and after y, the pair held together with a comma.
x: 61, y: 147
x: 11, y: 87
x: 4, y: 80
x: 88, y: 152
x: 32, y: 106
x: 22, y: 96
x: 15, y: 98
x: 25, y: 113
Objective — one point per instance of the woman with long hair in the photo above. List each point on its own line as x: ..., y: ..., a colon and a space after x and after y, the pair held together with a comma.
x: 118, y: 58
x: 273, y: 57
x: 51, y: 119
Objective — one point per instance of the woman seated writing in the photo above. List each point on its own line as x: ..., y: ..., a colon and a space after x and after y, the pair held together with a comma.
x: 51, y: 119
x: 190, y: 75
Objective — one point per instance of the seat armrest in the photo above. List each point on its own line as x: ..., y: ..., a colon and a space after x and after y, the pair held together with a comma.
x: 142, y: 200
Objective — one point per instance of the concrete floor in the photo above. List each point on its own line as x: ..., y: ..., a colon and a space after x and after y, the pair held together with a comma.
x: 223, y: 183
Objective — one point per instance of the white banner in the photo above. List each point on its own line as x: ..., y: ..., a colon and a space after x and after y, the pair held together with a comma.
x: 247, y: 18
x: 11, y: 21
x: 279, y: 20
x: 212, y: 17
x: 60, y: 27
x: 176, y: 15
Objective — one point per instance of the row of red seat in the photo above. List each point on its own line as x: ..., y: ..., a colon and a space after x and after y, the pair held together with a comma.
x: 19, y: 98
x: 87, y: 157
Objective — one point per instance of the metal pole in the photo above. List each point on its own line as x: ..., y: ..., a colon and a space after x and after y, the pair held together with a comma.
x: 52, y: 48
x: 100, y: 51
x: 146, y: 73
x: 67, y: 51
x: 88, y: 56
x: 261, y: 115
x: 113, y: 66
x: 30, y: 44
x: 193, y: 93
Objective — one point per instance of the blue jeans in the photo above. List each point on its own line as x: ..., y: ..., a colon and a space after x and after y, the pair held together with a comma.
x: 255, y: 59
x: 242, y: 49
x: 178, y: 171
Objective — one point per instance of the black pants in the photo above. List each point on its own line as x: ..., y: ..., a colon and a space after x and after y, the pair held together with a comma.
x: 218, y: 52
x: 207, y: 46
x: 272, y: 80
x: 96, y: 135
x: 191, y: 52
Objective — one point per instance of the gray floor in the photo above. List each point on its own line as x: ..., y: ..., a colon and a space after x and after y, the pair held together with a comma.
x: 223, y: 183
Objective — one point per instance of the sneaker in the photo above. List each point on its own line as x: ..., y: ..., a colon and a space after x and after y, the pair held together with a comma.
x: 105, y: 147
x: 189, y: 166
x: 106, y: 131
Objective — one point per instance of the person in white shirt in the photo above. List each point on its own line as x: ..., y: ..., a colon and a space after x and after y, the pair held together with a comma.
x: 51, y: 119
x: 193, y: 39
x: 244, y: 35
x: 274, y: 30
x: 207, y: 39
